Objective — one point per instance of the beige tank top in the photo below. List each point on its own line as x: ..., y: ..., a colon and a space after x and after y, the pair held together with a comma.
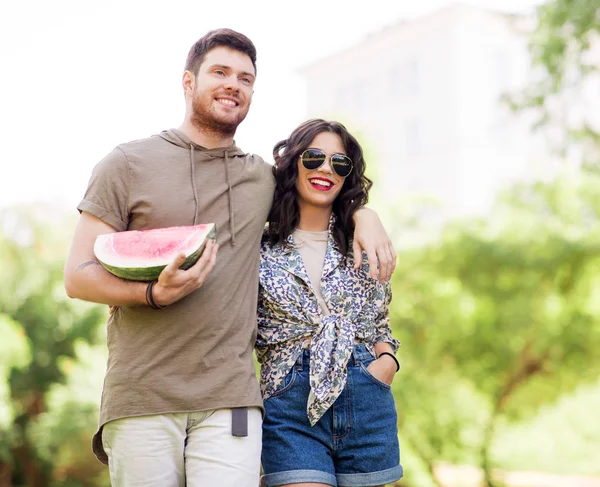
x: 313, y: 247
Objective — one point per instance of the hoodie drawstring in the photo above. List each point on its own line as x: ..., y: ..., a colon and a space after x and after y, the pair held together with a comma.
x: 193, y: 164
x: 229, y: 192
x: 230, y: 195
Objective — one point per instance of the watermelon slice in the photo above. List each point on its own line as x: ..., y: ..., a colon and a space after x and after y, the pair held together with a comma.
x: 141, y: 255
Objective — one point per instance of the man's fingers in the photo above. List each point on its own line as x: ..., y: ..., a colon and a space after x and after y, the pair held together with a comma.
x: 394, y: 258
x: 382, y: 264
x: 382, y: 260
x: 209, y: 263
x: 386, y: 256
x: 357, y: 254
x: 372, y: 257
x: 208, y: 255
x: 174, y: 265
x: 174, y: 283
x: 385, y: 264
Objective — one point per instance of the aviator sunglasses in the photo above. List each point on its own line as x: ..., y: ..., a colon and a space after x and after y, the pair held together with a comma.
x: 314, y: 158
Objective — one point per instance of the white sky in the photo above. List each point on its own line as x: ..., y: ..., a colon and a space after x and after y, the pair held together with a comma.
x: 78, y: 77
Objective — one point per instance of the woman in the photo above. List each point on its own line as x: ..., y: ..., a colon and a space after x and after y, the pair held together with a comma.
x: 324, y: 340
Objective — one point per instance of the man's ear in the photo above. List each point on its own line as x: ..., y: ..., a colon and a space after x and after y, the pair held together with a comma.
x: 188, y: 82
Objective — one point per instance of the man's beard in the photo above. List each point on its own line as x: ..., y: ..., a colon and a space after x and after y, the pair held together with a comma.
x: 205, y: 121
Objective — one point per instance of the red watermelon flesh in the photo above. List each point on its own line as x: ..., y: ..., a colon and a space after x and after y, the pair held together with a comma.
x: 141, y: 255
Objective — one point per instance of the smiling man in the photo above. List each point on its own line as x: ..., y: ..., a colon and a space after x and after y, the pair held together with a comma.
x: 181, y: 404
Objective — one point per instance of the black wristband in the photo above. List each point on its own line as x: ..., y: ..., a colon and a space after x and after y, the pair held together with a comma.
x: 395, y: 359
x: 150, y: 298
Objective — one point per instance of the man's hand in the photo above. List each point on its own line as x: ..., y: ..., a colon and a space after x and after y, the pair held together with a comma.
x: 86, y: 279
x: 370, y: 236
x: 175, y: 283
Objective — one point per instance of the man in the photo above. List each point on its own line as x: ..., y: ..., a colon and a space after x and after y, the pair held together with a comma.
x: 181, y: 404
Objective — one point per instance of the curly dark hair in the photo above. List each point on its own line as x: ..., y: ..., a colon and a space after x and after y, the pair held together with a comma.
x: 284, y: 217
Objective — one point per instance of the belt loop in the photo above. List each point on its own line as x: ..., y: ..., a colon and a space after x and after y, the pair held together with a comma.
x: 352, y: 361
x: 299, y: 361
x: 355, y: 356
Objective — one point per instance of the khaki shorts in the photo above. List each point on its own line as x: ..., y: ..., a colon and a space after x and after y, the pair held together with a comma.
x: 183, y: 450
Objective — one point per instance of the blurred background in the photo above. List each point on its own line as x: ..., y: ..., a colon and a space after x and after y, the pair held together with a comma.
x: 481, y: 123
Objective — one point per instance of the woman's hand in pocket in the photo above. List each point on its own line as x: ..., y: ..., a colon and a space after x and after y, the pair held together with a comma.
x: 383, y: 369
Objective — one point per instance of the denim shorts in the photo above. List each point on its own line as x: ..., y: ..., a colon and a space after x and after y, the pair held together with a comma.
x: 354, y: 444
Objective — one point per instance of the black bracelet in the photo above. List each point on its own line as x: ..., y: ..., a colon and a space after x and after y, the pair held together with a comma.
x: 150, y: 298
x: 395, y: 359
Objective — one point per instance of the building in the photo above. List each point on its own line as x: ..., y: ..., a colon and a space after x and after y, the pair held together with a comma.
x: 425, y: 97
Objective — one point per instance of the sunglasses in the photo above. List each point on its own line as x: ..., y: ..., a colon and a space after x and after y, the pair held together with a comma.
x: 314, y: 158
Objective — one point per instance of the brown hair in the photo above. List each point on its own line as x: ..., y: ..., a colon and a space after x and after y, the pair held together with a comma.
x: 285, y: 213
x: 215, y: 38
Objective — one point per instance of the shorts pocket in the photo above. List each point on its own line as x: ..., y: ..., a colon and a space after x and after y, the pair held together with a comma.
x: 374, y: 379
x: 288, y: 382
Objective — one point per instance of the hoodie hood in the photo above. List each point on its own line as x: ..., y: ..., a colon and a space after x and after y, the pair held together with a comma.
x: 178, y: 138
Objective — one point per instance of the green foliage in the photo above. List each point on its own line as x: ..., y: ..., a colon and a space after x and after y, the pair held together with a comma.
x: 564, y: 49
x: 569, y: 431
x: 14, y: 354
x: 63, y: 433
x: 498, y: 319
x: 44, y: 329
x: 564, y: 35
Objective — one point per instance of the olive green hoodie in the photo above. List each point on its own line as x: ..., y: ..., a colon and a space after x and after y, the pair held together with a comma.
x: 196, y: 354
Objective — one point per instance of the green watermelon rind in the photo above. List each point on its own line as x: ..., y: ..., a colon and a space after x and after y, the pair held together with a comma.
x: 148, y: 274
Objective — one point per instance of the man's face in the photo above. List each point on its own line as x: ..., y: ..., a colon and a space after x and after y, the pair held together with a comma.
x: 222, y: 90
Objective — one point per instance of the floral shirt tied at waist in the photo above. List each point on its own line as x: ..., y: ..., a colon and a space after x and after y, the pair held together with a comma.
x: 289, y: 316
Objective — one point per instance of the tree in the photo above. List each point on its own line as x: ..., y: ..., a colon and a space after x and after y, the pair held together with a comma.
x: 48, y: 328
x: 493, y: 318
x: 14, y: 354
x: 565, y: 49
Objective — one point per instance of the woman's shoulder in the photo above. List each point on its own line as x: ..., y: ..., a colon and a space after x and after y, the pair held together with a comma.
x: 267, y: 247
x: 265, y: 235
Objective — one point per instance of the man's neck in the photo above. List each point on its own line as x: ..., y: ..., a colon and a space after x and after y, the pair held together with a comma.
x: 204, y: 139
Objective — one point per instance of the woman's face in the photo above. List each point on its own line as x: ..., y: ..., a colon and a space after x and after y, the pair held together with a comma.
x: 318, y: 188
